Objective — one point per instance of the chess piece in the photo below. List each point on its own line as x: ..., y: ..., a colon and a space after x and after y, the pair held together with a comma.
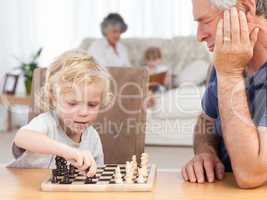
x: 88, y: 180
x: 128, y: 169
x: 144, y: 155
x: 144, y: 159
x: 129, y: 179
x: 128, y: 166
x: 118, y: 176
x: 134, y: 162
x: 141, y: 178
x: 144, y: 171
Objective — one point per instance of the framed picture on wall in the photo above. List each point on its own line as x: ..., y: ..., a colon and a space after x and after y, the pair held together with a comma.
x: 10, y: 83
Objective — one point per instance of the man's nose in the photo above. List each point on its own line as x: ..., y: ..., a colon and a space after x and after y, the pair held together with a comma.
x: 201, y: 34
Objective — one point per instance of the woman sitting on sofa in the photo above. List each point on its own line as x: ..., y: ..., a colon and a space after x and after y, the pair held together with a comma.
x: 109, y: 51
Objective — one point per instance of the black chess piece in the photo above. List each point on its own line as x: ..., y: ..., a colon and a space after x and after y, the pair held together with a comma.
x: 88, y: 180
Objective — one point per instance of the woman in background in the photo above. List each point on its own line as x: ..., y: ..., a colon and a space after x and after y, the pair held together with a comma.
x: 109, y: 51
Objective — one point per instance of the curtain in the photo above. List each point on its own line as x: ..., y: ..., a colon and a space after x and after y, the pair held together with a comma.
x: 58, y: 25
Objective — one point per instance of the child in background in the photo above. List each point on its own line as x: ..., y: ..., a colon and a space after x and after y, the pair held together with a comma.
x: 74, y: 91
x: 153, y: 61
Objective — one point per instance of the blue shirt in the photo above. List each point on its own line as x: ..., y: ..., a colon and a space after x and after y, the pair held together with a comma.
x: 256, y: 90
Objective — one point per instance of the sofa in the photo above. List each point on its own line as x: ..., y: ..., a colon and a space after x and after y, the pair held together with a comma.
x: 171, y: 121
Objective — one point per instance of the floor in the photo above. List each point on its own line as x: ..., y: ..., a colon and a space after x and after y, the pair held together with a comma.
x: 163, y: 157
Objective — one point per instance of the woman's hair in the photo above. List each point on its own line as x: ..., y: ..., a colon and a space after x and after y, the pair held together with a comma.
x: 152, y: 53
x: 113, y: 20
x: 68, y: 71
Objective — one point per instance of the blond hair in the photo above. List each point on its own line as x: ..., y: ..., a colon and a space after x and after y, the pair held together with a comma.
x: 69, y: 70
x: 152, y: 53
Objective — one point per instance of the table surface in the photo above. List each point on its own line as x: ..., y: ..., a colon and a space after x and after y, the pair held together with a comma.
x: 25, y: 184
x: 10, y: 100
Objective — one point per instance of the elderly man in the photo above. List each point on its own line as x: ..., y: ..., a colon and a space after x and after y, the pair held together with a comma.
x: 231, y: 133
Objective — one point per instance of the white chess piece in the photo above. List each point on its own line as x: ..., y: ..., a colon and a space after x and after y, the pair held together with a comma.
x: 144, y: 162
x: 144, y: 171
x: 134, y: 165
x: 134, y: 161
x: 144, y: 155
x: 118, y: 176
x: 140, y: 178
x: 129, y: 179
x: 128, y: 168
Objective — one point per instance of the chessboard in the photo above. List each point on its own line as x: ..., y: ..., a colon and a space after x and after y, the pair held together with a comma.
x: 110, y: 177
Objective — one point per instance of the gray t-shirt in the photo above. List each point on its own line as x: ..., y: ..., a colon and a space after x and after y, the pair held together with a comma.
x: 48, y: 124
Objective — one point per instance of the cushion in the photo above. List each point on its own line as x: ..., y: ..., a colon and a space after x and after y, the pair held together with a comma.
x: 194, y: 74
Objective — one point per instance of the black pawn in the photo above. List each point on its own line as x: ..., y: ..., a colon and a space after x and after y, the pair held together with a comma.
x: 88, y: 180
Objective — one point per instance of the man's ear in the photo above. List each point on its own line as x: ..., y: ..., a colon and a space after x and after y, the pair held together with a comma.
x: 248, y: 6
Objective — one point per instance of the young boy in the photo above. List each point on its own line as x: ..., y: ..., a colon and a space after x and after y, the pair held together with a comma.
x: 74, y: 91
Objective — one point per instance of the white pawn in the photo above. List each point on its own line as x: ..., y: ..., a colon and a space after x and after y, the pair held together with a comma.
x: 144, y: 162
x: 118, y: 180
x: 129, y: 179
x: 128, y: 168
x: 144, y: 171
x: 134, y: 159
x: 134, y: 162
x: 118, y: 176
x: 140, y: 178
x: 118, y: 170
x: 144, y: 155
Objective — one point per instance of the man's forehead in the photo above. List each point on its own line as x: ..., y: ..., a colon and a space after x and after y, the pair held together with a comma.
x: 203, y: 9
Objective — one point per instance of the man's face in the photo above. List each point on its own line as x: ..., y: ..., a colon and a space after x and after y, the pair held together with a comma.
x: 207, y: 18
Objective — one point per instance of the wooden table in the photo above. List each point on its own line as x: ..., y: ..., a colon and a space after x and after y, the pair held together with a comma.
x: 24, y: 184
x: 11, y: 100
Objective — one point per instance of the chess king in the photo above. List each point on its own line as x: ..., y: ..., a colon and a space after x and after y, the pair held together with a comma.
x: 75, y: 89
x: 231, y: 133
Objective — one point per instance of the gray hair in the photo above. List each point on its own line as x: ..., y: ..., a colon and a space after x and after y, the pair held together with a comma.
x: 261, y: 5
x: 111, y: 21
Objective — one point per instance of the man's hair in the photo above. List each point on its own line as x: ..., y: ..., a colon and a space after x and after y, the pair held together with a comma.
x: 261, y: 5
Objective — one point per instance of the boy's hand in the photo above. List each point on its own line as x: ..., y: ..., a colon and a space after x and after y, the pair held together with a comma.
x: 82, y: 160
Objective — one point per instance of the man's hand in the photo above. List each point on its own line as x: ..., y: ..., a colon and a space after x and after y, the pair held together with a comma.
x: 234, y: 43
x: 203, y: 167
x: 82, y: 160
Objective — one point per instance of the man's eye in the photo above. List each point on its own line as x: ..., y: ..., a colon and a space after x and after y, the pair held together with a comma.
x: 72, y: 103
x: 207, y: 21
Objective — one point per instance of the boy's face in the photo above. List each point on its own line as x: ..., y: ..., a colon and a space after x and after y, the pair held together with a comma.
x: 78, y: 107
x: 152, y: 63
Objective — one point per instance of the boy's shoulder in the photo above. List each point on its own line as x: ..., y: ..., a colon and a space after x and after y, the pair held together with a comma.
x: 91, y: 132
x: 91, y: 135
x: 46, y: 116
x: 42, y: 122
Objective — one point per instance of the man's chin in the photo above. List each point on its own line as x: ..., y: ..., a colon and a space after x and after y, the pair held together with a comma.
x: 211, y: 49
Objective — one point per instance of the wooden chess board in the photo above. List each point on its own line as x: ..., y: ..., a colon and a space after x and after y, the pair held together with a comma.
x: 103, y: 181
